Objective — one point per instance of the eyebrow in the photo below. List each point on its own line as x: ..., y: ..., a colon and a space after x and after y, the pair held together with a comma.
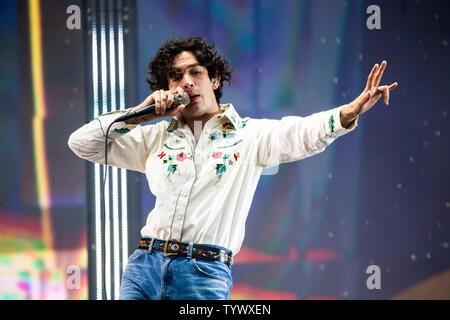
x: 175, y: 69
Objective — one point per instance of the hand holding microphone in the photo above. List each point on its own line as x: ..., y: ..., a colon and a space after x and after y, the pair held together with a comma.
x: 159, y: 104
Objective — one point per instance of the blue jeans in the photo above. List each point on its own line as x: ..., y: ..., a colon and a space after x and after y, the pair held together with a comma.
x: 153, y: 276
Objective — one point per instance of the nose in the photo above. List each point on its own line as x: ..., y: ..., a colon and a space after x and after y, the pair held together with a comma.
x: 187, y: 81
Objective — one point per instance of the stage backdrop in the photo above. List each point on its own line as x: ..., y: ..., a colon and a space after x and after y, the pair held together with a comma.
x: 43, y: 186
x: 379, y: 196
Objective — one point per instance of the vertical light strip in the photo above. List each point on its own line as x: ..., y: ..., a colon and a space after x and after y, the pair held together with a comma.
x: 107, y: 266
x: 104, y: 65
x: 97, y: 170
x: 123, y: 172
x: 98, y: 232
x: 104, y: 74
x: 40, y: 112
x: 116, y: 244
x: 115, y: 174
x: 124, y: 207
x: 103, y: 61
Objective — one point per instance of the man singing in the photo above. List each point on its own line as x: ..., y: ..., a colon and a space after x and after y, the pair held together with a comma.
x: 203, y: 167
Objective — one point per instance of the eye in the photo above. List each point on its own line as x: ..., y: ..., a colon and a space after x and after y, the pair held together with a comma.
x: 174, y: 74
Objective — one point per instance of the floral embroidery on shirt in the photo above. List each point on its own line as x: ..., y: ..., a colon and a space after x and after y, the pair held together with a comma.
x: 161, y: 155
x: 168, y: 159
x: 227, y: 130
x: 331, y: 123
x: 227, y: 126
x: 122, y: 130
x: 214, y: 136
x: 243, y: 124
x: 217, y: 155
x: 225, y: 134
x: 229, y: 135
x: 222, y: 167
x: 171, y: 168
x: 181, y: 156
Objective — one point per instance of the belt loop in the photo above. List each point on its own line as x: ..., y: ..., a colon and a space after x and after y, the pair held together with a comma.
x: 231, y: 261
x: 191, y: 246
x: 150, y: 246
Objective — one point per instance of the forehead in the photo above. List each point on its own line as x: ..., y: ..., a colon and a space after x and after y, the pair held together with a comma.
x: 184, y: 60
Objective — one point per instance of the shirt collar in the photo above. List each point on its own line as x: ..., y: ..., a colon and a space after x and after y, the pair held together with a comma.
x: 228, y: 111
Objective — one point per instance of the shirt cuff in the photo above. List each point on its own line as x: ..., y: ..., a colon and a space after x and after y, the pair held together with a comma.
x: 334, y: 125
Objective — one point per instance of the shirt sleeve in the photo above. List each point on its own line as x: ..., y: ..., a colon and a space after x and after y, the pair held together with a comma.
x: 293, y: 138
x: 128, y: 144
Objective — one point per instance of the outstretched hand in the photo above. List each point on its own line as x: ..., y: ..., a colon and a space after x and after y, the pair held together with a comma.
x: 367, y: 99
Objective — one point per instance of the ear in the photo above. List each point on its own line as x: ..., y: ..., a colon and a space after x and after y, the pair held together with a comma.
x: 216, y: 82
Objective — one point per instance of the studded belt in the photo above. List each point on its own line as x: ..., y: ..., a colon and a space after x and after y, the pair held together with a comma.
x: 173, y: 247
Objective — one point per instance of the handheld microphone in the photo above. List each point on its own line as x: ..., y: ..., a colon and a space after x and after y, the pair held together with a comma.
x: 150, y: 110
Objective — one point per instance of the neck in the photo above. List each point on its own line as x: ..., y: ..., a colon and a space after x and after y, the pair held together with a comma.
x: 203, y: 118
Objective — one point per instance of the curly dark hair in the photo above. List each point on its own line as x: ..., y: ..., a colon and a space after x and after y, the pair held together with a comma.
x: 160, y: 68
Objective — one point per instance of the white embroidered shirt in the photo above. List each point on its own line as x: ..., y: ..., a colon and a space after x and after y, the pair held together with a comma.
x: 204, y: 189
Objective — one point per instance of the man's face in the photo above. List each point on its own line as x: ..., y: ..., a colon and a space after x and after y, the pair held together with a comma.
x: 193, y: 78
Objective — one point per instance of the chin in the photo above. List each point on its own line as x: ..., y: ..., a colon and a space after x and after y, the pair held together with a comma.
x: 193, y: 108
x: 190, y: 112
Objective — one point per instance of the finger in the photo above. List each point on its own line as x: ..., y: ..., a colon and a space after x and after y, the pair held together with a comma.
x: 383, y: 91
x: 170, y: 99
x: 163, y: 101
x: 148, y: 101
x: 370, y: 77
x: 393, y: 86
x: 179, y: 91
x: 157, y: 98
x: 386, y: 95
x: 379, y: 73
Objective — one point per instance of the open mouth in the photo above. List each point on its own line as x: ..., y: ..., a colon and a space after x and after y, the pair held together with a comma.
x: 193, y: 97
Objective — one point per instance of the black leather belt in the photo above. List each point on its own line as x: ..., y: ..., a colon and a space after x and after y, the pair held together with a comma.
x: 173, y: 247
